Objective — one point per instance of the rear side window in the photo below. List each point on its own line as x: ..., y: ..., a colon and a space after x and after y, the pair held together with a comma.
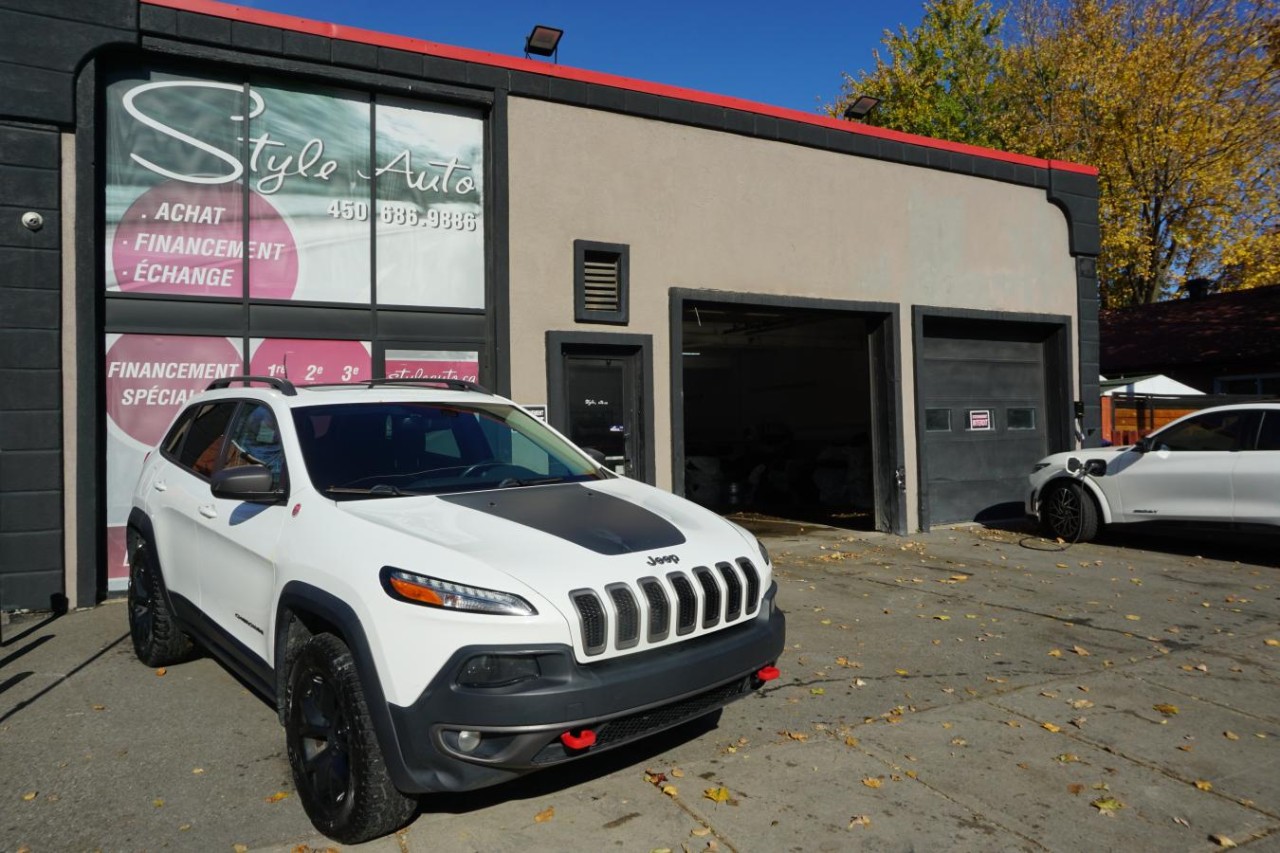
x: 1269, y: 435
x: 204, y: 437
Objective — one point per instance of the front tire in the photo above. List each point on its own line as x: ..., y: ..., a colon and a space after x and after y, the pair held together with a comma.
x: 337, y: 764
x: 157, y: 639
x: 1069, y: 513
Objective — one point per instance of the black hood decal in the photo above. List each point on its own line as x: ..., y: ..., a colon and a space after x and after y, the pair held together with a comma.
x: 594, y: 520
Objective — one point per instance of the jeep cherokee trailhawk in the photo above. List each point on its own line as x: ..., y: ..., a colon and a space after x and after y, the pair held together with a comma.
x: 437, y: 591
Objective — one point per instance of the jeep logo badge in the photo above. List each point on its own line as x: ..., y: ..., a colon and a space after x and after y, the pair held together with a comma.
x: 658, y: 561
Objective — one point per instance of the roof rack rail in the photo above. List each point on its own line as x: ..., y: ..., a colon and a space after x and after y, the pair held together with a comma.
x: 284, y: 386
x: 451, y: 384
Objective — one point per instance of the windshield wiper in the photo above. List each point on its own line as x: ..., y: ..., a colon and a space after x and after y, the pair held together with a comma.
x: 380, y: 490
x: 511, y: 482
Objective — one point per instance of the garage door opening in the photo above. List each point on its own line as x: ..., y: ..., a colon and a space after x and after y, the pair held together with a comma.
x: 782, y: 415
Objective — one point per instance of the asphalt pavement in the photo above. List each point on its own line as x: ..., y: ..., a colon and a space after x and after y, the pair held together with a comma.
x: 966, y: 689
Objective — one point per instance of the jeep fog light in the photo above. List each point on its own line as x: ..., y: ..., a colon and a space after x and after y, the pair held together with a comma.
x: 468, y: 741
x: 498, y: 670
x: 433, y: 592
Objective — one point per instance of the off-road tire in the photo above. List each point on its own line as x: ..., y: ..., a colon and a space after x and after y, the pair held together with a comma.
x: 337, y: 764
x: 157, y: 639
x: 1068, y: 512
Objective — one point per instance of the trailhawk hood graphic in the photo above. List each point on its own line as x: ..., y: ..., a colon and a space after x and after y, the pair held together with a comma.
x: 595, y: 520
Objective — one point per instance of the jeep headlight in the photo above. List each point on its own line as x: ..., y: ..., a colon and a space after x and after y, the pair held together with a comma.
x: 434, y: 592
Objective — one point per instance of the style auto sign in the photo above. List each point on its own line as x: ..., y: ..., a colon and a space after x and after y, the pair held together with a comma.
x: 183, y: 154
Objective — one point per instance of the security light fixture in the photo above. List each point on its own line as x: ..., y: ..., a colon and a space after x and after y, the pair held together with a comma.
x: 542, y: 41
x: 861, y: 107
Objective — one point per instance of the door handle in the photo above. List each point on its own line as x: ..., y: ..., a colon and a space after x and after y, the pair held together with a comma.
x: 208, y: 511
x: 159, y: 487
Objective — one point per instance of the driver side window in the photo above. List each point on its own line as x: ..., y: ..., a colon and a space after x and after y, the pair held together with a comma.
x: 1215, y: 431
x: 255, y: 440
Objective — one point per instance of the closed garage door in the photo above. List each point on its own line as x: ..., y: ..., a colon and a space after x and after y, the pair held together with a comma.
x: 983, y: 419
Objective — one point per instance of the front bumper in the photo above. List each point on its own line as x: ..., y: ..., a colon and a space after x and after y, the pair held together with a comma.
x: 620, y: 700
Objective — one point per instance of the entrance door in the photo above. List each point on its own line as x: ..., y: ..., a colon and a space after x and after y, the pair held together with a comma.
x: 603, y: 404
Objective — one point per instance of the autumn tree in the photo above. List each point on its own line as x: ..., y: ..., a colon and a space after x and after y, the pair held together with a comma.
x: 939, y: 79
x: 1177, y: 102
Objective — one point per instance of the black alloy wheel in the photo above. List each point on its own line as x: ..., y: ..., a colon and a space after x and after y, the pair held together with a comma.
x: 337, y: 764
x: 1069, y: 513
x: 157, y: 639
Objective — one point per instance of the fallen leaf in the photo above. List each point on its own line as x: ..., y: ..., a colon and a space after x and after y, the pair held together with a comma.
x: 826, y: 621
x: 901, y: 671
x: 1222, y: 840
x: 717, y: 795
x: 1081, y: 704
x: 850, y: 741
x: 959, y: 741
x: 161, y: 671
x: 1083, y: 652
x: 943, y: 618
x: 859, y: 820
x: 239, y: 848
x: 872, y: 782
x: 545, y: 815
x: 654, y: 778
x: 1231, y: 736
x: 1271, y: 642
x: 1075, y: 788
x: 1204, y: 785
x: 1166, y: 710
x: 1186, y: 747
x: 1013, y: 724
x: 30, y: 795
x: 670, y: 790
x: 800, y: 736
x: 677, y: 773
x: 700, y: 831
x: 1107, y: 805
x: 1133, y: 617
x: 197, y: 770
x: 1051, y: 727
x: 817, y: 691
x: 158, y: 803
x: 99, y: 707
x: 277, y: 796
x: 1068, y: 758
x: 1055, y: 653
x: 911, y: 774
x: 1062, y: 565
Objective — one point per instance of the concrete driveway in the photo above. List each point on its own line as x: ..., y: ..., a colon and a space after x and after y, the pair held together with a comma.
x: 966, y: 689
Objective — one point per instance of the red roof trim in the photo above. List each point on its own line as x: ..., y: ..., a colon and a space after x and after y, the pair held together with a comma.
x: 514, y: 63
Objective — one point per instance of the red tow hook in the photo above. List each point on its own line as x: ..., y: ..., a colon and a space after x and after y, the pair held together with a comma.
x: 767, y: 673
x: 584, y: 740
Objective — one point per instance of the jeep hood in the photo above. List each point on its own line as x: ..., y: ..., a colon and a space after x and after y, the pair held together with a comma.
x: 562, y: 536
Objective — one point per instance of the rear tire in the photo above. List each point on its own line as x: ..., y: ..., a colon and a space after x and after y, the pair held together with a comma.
x: 157, y: 639
x: 1068, y: 512
x: 337, y: 764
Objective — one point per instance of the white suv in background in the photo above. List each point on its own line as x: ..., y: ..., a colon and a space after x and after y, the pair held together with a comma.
x: 1218, y: 466
x: 438, y: 591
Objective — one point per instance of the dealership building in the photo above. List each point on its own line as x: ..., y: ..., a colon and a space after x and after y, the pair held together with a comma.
x: 765, y: 310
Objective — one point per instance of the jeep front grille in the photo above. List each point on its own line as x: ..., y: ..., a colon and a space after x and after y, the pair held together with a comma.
x: 701, y: 597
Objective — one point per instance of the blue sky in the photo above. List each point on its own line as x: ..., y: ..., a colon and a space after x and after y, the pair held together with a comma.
x: 784, y: 54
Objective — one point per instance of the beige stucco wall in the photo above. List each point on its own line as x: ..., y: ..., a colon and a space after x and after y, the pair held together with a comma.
x: 704, y: 209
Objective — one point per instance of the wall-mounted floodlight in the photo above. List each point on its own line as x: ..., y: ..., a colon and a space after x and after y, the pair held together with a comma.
x: 543, y: 41
x: 861, y: 107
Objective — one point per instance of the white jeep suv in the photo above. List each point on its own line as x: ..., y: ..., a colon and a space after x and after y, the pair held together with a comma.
x: 1219, y: 466
x: 437, y: 591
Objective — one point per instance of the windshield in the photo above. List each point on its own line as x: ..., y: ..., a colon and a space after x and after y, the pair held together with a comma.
x: 364, y: 450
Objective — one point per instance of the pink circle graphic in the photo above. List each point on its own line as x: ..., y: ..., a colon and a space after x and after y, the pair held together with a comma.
x: 308, y: 362
x: 189, y: 239
x: 150, y: 377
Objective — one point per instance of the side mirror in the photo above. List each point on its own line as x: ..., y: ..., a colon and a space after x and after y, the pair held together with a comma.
x: 595, y: 454
x: 250, y: 483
